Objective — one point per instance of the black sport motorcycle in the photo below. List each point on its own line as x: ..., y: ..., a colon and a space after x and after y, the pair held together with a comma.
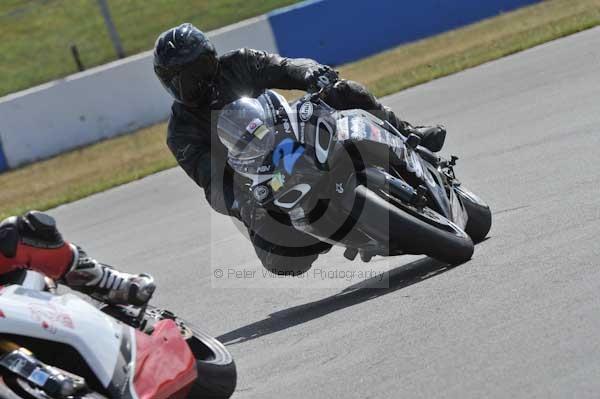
x: 351, y: 179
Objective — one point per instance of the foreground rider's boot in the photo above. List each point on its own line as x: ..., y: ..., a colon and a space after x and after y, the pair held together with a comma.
x: 107, y: 284
x: 432, y: 137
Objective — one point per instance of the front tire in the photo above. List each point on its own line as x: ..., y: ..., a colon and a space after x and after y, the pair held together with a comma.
x: 217, y: 373
x: 410, y: 233
x: 480, y: 216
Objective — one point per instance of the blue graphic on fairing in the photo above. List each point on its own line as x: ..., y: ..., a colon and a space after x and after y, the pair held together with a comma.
x: 285, y: 150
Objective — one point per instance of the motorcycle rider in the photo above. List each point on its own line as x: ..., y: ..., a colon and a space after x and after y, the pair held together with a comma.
x: 32, y: 241
x: 200, y: 81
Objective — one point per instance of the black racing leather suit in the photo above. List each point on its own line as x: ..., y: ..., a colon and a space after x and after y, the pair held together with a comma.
x: 192, y: 136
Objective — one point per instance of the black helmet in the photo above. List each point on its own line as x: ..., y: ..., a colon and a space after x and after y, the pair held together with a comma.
x: 186, y: 63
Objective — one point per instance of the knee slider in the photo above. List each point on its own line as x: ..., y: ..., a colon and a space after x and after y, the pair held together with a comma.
x: 9, y: 237
x: 38, y: 229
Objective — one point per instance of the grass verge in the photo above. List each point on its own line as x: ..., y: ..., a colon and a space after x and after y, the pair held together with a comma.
x: 80, y: 173
x: 37, y: 34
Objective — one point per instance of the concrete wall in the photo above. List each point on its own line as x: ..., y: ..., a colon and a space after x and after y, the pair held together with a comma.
x: 124, y: 95
x: 81, y: 109
x: 339, y: 31
x: 3, y: 163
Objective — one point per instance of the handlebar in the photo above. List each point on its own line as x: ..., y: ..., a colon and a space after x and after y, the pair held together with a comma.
x: 316, y: 95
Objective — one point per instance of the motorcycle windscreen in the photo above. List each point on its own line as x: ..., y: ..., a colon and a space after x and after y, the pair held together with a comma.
x: 359, y: 127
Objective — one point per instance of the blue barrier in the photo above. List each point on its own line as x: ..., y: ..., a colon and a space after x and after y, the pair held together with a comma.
x: 338, y: 31
x: 3, y: 163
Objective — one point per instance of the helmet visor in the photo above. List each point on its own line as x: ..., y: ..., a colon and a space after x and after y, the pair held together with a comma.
x: 245, y: 128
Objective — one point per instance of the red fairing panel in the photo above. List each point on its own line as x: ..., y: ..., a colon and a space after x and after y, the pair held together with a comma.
x: 165, y: 365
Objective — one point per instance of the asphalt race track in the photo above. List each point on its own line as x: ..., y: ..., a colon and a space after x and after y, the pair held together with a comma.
x: 520, y: 320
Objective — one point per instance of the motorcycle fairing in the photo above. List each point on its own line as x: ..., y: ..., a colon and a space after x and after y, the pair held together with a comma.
x: 288, y: 110
x: 105, y: 344
x: 165, y: 366
x: 361, y: 125
x: 318, y: 131
x: 357, y: 124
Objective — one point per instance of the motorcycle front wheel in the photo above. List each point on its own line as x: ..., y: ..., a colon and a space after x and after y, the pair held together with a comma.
x: 217, y: 374
x: 480, y: 215
x: 405, y: 228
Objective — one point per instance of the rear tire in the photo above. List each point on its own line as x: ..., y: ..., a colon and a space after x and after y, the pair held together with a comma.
x: 408, y: 233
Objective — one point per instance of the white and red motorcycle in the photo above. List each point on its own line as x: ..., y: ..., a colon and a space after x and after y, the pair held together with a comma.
x: 61, y: 346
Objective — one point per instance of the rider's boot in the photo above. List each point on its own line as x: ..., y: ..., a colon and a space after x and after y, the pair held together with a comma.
x: 107, y: 284
x: 432, y: 137
x: 32, y: 241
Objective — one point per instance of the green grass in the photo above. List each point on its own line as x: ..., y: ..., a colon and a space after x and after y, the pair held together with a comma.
x: 36, y: 35
x: 77, y: 174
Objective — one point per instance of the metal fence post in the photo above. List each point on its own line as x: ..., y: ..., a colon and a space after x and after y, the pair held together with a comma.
x: 112, y: 30
x: 77, y: 58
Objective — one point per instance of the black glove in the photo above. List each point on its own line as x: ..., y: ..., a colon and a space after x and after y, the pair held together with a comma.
x: 242, y: 206
x: 432, y: 137
x: 321, y: 77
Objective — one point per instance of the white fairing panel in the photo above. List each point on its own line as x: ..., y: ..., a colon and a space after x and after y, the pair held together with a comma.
x: 65, y: 319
